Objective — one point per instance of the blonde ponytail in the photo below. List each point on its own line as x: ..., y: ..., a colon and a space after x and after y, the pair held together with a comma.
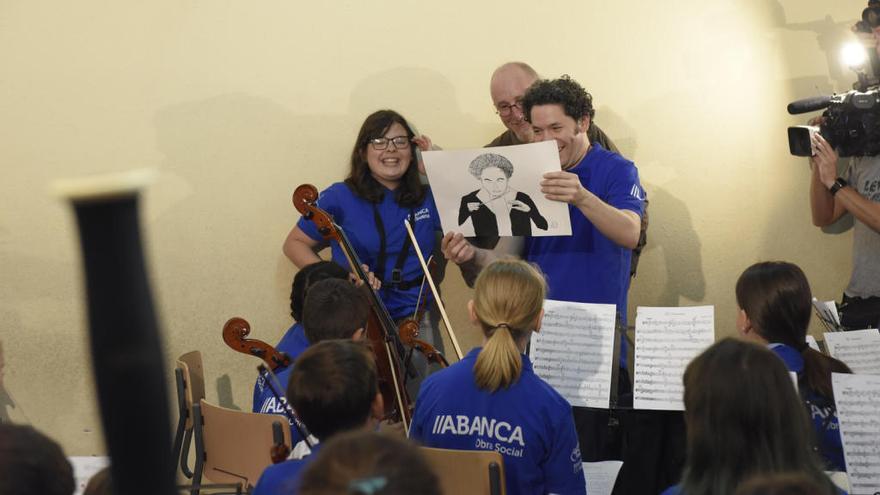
x: 499, y: 363
x: 508, y: 298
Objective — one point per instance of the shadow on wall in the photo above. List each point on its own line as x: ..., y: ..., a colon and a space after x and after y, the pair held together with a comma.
x: 620, y: 132
x: 228, y: 161
x: 24, y: 288
x: 428, y: 99
x: 830, y: 37
x: 790, y: 223
x: 224, y: 393
x: 671, y: 231
x: 6, y: 402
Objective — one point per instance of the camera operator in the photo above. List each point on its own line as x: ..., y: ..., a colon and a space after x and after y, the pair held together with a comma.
x: 858, y: 193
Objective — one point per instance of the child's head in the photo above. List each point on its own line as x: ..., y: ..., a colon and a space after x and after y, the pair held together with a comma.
x: 366, y: 463
x: 334, y: 387
x: 334, y: 309
x: 507, y: 305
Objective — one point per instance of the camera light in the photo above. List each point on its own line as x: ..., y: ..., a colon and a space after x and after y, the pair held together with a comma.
x: 853, y: 54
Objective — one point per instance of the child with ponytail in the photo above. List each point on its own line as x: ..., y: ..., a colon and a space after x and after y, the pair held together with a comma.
x: 493, y: 400
x: 775, y: 305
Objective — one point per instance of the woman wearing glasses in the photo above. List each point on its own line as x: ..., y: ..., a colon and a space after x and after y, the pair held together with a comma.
x: 383, y: 188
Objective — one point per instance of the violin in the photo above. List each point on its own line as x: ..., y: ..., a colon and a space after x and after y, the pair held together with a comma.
x: 234, y: 332
x: 434, y: 291
x: 381, y: 330
x: 409, y: 332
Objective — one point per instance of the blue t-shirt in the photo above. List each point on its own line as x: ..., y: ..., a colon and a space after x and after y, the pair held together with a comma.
x: 356, y: 217
x: 283, y: 478
x: 529, y: 423
x: 294, y: 342
x: 672, y: 490
x: 822, y: 411
x: 587, y: 266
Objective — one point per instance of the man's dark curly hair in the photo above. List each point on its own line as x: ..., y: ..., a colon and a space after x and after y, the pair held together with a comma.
x: 565, y: 91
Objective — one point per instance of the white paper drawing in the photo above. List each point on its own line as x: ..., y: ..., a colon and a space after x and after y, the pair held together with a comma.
x: 497, y: 191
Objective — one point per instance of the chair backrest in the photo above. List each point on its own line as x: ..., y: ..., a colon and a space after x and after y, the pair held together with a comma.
x: 194, y: 379
x: 238, y: 444
x: 479, y: 472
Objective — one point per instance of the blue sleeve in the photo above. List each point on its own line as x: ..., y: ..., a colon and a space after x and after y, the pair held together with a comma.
x: 564, y: 470
x: 267, y: 484
x: 624, y: 189
x: 417, y: 426
x: 331, y: 200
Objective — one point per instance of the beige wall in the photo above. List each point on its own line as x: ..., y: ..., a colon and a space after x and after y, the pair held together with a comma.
x: 236, y: 103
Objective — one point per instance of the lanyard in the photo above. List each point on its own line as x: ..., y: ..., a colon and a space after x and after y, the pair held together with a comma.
x: 397, y: 272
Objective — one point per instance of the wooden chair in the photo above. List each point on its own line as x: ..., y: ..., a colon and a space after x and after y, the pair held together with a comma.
x: 234, y: 447
x: 479, y: 472
x: 190, y: 377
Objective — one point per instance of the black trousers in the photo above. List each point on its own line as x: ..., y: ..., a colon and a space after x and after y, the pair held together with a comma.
x: 857, y: 313
x: 651, y: 444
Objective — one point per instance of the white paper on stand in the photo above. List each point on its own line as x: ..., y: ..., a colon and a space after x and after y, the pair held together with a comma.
x: 667, y: 339
x: 573, y: 352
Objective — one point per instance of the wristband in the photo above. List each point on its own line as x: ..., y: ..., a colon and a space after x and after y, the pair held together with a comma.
x: 839, y: 184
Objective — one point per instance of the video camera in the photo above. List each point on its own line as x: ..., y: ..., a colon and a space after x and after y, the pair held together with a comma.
x: 851, y: 121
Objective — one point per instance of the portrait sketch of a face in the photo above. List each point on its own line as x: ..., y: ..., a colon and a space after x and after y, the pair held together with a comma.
x: 495, y: 208
x: 496, y: 192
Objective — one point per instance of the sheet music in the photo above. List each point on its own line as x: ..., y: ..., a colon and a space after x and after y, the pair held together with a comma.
x: 859, y: 349
x: 858, y: 410
x: 811, y: 341
x: 573, y: 351
x: 601, y: 476
x: 827, y: 311
x: 666, y: 341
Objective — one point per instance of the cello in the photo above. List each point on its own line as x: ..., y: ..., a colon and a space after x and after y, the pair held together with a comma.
x: 235, y: 332
x: 381, y: 330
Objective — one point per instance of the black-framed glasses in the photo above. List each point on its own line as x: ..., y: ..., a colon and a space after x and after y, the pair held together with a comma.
x: 505, y: 109
x: 400, y: 142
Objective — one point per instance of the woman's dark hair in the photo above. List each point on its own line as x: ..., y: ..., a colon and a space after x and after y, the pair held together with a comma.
x: 782, y: 484
x: 776, y: 297
x: 744, y: 418
x: 411, y: 191
x: 565, y: 91
x: 367, y: 463
x: 305, y: 278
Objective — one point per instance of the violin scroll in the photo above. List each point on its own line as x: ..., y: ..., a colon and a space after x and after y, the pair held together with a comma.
x: 409, y: 333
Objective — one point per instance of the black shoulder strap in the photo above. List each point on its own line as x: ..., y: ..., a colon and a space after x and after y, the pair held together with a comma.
x: 397, y: 272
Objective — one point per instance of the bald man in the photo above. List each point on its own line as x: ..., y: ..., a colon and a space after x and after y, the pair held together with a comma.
x: 507, y: 87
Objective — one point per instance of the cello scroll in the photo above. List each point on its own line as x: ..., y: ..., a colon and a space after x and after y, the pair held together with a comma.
x: 234, y: 332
